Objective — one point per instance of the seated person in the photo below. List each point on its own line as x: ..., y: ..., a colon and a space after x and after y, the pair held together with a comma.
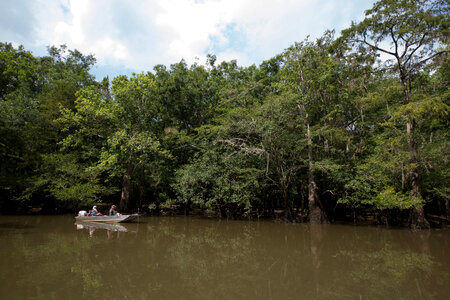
x: 113, y: 211
x: 95, y: 212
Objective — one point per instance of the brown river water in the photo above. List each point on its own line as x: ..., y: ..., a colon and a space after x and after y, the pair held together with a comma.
x: 51, y: 257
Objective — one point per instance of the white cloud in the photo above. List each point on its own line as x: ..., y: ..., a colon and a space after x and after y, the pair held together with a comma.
x: 191, y: 25
x: 241, y: 57
x: 76, y: 23
x: 107, y: 47
x: 142, y: 33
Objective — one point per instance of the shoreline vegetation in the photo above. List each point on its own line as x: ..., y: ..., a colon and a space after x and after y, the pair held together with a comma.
x: 351, y: 127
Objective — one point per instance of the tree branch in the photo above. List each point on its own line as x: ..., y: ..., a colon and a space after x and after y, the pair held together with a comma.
x: 415, y: 66
x: 374, y: 47
x: 420, y: 43
x: 395, y: 41
x: 241, y: 145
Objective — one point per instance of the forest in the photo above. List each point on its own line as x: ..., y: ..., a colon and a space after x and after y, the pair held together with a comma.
x: 349, y: 127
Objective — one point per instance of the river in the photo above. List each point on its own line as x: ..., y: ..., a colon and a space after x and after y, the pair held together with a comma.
x: 51, y: 257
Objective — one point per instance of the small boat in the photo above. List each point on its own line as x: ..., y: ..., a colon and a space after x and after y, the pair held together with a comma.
x: 107, y: 219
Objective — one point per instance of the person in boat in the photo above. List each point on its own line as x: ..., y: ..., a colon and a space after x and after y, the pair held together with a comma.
x: 113, y: 211
x: 95, y: 212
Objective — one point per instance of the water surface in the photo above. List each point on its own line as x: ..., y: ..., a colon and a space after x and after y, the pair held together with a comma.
x: 51, y: 257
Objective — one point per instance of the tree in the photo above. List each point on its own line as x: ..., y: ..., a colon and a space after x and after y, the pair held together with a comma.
x: 184, y: 96
x: 410, y: 33
x: 308, y: 77
x: 133, y: 146
x: 64, y: 72
x: 219, y: 180
x: 266, y: 135
x: 69, y: 175
x: 20, y: 118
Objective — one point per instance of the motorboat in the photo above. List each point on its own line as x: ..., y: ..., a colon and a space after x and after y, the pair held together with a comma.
x: 107, y: 219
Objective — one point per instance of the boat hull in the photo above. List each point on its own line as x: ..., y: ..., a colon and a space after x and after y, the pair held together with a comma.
x: 107, y: 219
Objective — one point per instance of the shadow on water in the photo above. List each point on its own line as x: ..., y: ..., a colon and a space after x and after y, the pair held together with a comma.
x: 208, y: 259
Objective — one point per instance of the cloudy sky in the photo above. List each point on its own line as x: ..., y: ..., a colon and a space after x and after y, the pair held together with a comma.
x: 135, y: 35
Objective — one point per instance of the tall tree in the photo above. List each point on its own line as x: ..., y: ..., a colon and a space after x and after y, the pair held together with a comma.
x: 65, y: 72
x: 69, y: 175
x: 410, y: 34
x: 133, y: 145
x: 307, y: 74
x: 20, y: 119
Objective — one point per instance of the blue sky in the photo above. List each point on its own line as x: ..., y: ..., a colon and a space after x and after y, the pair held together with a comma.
x: 135, y: 35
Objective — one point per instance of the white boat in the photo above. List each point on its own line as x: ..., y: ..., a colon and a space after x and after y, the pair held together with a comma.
x: 107, y: 219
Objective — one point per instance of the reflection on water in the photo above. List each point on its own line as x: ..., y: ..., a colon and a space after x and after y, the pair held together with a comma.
x: 91, y: 227
x: 208, y: 259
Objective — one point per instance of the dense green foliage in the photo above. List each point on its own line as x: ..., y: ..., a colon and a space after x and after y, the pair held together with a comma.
x: 328, y: 130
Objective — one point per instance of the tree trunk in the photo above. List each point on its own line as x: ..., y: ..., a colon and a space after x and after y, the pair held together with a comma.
x: 417, y: 215
x: 316, y: 215
x: 125, y: 196
x: 222, y: 210
x: 287, y: 206
x: 417, y: 219
x: 141, y: 196
x: 447, y: 209
x: 325, y: 140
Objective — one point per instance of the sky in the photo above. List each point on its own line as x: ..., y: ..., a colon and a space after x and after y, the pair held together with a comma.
x: 127, y: 36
